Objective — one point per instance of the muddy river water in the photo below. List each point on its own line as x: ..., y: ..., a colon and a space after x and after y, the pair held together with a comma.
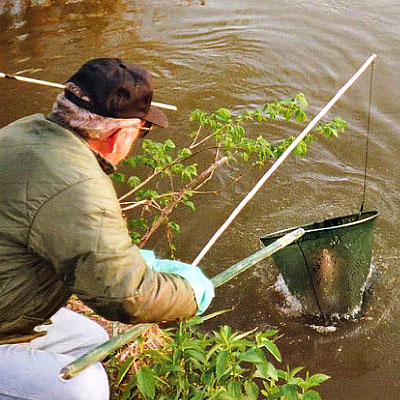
x: 239, y: 54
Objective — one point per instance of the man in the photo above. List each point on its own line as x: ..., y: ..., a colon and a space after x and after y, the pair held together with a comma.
x: 62, y: 232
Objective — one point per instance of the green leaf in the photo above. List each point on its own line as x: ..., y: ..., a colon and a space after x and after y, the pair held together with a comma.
x: 223, y: 114
x: 239, y: 131
x: 290, y: 392
x: 295, y: 371
x: 197, y: 396
x: 276, y: 394
x: 300, y: 115
x: 287, y: 114
x: 199, y: 319
x: 272, y: 372
x: 222, y: 363
x: 169, y: 144
x: 183, y: 153
x: 174, y: 226
x: 266, y: 370
x: 177, y: 168
x: 124, y: 369
x: 282, y: 374
x: 190, y: 204
x: 145, y: 382
x: 189, y: 171
x: 253, y: 355
x: 273, y: 349
x: 244, y: 334
x: 301, y: 100
x: 197, y: 115
x: 316, y: 379
x: 118, y: 177
x: 196, y: 355
x: 235, y: 390
x: 151, y: 193
x: 252, y: 391
x: 133, y: 181
x: 311, y: 395
x: 128, y: 389
x: 269, y: 333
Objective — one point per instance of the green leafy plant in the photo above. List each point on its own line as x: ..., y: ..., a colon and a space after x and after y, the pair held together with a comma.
x: 220, y: 365
x: 170, y: 176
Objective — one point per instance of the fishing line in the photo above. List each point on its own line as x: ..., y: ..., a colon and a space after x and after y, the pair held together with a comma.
x: 311, y: 278
x: 367, y: 138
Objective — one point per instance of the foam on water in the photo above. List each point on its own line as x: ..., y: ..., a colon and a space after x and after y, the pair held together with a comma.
x: 292, y: 307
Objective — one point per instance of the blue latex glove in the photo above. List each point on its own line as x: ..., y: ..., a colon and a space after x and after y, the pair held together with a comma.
x: 202, y: 287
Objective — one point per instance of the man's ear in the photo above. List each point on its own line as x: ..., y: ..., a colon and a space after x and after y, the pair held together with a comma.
x: 111, y: 139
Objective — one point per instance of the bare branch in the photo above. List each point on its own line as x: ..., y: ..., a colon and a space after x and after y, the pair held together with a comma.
x: 193, y: 183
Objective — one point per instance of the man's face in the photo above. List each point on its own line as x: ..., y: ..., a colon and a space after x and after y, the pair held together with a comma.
x: 123, y: 144
x: 117, y: 146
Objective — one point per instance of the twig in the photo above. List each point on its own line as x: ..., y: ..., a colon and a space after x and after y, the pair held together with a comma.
x: 145, y: 182
x: 196, y: 136
x: 154, y: 174
x: 179, y: 196
x: 192, y: 146
x: 133, y: 204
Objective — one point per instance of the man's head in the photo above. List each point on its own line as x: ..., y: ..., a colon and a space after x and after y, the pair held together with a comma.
x: 108, y: 102
x: 116, y: 89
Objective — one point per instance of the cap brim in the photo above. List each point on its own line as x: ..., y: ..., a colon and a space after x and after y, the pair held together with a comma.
x: 156, y: 117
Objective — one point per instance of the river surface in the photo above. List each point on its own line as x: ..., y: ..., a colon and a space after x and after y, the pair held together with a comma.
x: 239, y: 54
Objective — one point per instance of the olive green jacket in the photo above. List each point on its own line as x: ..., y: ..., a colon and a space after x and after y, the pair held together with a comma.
x: 62, y: 232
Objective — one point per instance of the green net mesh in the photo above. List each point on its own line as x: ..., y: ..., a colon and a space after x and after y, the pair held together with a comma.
x: 326, y: 269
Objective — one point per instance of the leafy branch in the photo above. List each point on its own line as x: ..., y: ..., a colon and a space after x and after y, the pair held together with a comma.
x: 221, y: 133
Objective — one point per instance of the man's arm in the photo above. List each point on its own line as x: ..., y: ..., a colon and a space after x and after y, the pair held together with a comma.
x: 82, y: 232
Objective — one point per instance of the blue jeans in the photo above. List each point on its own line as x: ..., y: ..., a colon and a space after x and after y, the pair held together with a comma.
x: 29, y: 371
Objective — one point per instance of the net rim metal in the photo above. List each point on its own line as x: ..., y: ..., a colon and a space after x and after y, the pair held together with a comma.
x: 365, y: 217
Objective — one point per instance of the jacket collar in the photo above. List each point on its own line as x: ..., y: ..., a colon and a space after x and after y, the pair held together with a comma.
x: 105, y: 165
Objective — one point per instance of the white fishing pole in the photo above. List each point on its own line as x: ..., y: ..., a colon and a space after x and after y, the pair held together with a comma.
x: 31, y: 80
x: 282, y: 158
x: 59, y: 85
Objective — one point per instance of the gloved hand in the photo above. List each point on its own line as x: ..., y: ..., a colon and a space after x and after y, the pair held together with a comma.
x: 201, y: 285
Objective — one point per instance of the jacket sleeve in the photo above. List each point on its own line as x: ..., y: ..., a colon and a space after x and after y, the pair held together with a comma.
x: 82, y: 233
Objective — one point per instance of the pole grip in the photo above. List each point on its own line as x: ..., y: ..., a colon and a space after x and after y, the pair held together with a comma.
x: 248, y: 262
